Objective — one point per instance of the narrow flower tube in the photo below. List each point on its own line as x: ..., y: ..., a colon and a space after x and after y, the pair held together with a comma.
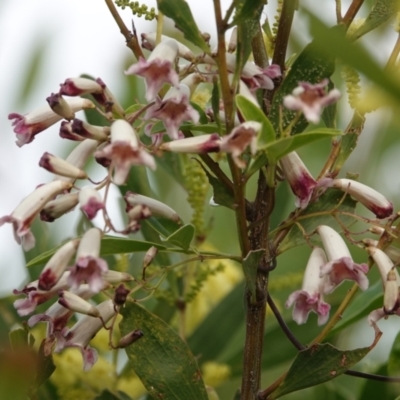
x: 35, y: 296
x: 340, y: 265
x: 60, y: 106
x: 156, y: 207
x: 117, y: 277
x: 57, y: 264
x: 61, y: 167
x: 124, y: 151
x: 88, y: 266
x: 158, y: 69
x: 370, y: 198
x: 90, y: 201
x: 83, y: 332
x: 75, y: 303
x: 299, y: 178
x: 391, y: 293
x: 310, y: 297
x: 107, y: 99
x: 82, y: 128
x: 241, y: 137
x: 130, y: 338
x: 79, y: 86
x: 311, y: 99
x: 22, y: 217
x: 384, y: 264
x: 173, y: 109
x: 149, y: 43
x: 149, y: 256
x: 197, y: 144
x: 57, y: 208
x: 29, y: 125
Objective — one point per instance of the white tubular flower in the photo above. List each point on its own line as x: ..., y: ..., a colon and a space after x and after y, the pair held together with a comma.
x: 197, y: 144
x: 88, y: 266
x: 107, y: 99
x: 156, y: 207
x: 370, y: 198
x: 75, y: 303
x: 84, y: 331
x: 340, y: 265
x: 35, y: 297
x: 149, y: 43
x: 60, y: 106
x: 383, y: 262
x: 82, y: 128
x: 241, y: 137
x: 117, y: 277
x: 310, y: 297
x: 79, y: 86
x: 135, y: 215
x: 57, y: 208
x: 173, y: 109
x: 311, y: 99
x: 90, y: 201
x: 29, y: 125
x: 78, y: 157
x: 130, y: 338
x: 22, y: 217
x: 57, y: 264
x: 149, y: 256
x: 158, y: 69
x: 124, y: 151
x: 61, y: 167
x: 299, y: 178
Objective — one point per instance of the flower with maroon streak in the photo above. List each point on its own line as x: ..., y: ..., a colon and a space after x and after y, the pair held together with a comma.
x: 299, y: 178
x: 90, y: 201
x: 61, y: 167
x: 241, y: 137
x: 311, y: 99
x: 80, y: 86
x: 84, y: 331
x: 29, y: 125
x: 22, y: 217
x: 197, y: 144
x: 173, y: 109
x: 310, y: 297
x: 89, y: 267
x: 124, y: 151
x: 82, y: 128
x: 158, y: 69
x: 340, y: 265
x: 61, y: 205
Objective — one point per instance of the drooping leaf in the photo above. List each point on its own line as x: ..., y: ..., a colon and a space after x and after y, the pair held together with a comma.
x: 179, y: 12
x: 394, y: 357
x: 317, y: 364
x: 161, y: 359
x: 318, y: 214
x: 251, y: 112
x: 182, y: 237
x: 250, y: 267
x: 283, y: 146
x: 382, y: 11
x: 109, y: 245
x: 45, y: 366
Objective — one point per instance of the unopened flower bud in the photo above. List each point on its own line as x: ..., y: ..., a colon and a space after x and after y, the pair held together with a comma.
x: 79, y: 86
x: 61, y: 167
x: 120, y: 295
x: 57, y: 208
x: 391, y: 294
x: 60, y: 106
x: 75, y: 303
x: 149, y: 256
x: 197, y: 144
x: 66, y: 132
x: 130, y: 338
x: 89, y: 131
x: 117, y: 277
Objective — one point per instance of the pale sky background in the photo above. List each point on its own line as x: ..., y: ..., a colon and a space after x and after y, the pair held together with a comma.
x: 83, y: 38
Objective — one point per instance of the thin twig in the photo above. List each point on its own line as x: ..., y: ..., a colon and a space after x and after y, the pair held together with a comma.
x: 352, y: 12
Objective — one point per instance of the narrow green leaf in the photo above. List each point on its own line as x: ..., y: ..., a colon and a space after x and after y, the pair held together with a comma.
x: 203, y: 117
x: 248, y: 9
x: 256, y: 164
x: 161, y: 359
x: 311, y: 217
x: 251, y: 112
x: 215, y: 104
x: 45, y: 366
x: 250, y: 266
x: 179, y: 12
x: 221, y: 195
x: 281, y: 147
x: 394, y: 358
x: 208, y: 128
x: 18, y: 338
x: 182, y: 237
x: 382, y: 11
x: 107, y: 395
x: 317, y: 364
x: 109, y: 245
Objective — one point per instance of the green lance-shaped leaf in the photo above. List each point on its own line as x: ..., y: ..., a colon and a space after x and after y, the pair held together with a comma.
x: 394, y: 358
x: 161, y: 359
x: 107, y: 395
x: 45, y: 365
x: 317, y: 364
x: 286, y: 145
x: 382, y: 11
x: 250, y: 266
x: 251, y: 112
x: 179, y: 12
x: 182, y: 237
x: 247, y: 9
x: 109, y: 245
x: 312, y: 65
x: 319, y: 213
